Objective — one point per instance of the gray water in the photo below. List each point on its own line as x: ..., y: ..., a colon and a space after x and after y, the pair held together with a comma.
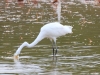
x: 78, y: 53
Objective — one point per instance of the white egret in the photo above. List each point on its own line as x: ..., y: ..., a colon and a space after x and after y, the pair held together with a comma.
x: 51, y: 31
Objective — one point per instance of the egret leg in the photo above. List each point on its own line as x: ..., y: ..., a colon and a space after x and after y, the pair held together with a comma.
x: 54, y: 47
x: 53, y: 52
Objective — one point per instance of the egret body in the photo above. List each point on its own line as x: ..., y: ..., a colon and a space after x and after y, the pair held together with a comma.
x: 51, y: 31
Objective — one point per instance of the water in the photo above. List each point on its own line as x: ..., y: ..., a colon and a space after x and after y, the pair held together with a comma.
x: 78, y: 53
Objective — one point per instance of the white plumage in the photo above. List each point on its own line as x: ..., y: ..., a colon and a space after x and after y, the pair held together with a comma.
x: 51, y: 31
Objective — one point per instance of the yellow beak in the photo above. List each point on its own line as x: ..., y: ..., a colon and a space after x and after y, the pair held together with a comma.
x: 16, y: 57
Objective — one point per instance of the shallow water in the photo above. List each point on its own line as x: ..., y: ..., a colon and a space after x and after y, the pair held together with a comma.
x: 78, y: 53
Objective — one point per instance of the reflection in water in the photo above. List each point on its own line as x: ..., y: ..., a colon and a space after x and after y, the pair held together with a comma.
x: 57, y: 6
x: 54, y: 67
x: 19, y: 67
x: 79, y: 53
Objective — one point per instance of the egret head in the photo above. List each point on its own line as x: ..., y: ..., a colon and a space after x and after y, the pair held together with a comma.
x: 16, y: 57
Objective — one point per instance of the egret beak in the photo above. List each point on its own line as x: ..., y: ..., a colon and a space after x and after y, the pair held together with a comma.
x: 16, y: 57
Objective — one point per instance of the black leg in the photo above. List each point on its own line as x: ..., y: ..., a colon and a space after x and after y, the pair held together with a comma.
x: 56, y: 49
x: 54, y: 46
x: 53, y: 52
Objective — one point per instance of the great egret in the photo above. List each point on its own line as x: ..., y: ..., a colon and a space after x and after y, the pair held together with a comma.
x: 51, y: 31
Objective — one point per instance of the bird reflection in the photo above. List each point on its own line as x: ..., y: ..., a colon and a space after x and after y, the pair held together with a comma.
x: 55, y: 59
x: 56, y: 4
x: 55, y: 69
x: 21, y: 3
x: 8, y: 2
x: 54, y: 63
x: 17, y: 63
x: 21, y: 67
